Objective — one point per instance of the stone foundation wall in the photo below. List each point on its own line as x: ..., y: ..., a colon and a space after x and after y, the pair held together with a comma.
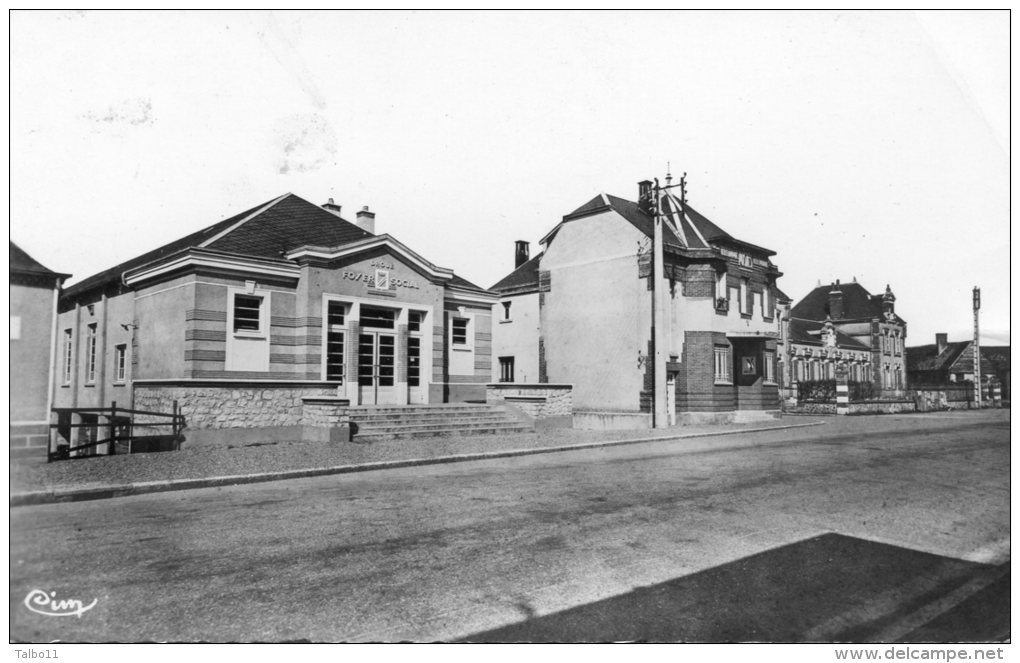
x: 538, y: 401
x: 239, y: 405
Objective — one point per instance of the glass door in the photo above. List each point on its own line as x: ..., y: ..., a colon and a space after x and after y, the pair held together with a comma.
x: 377, y: 368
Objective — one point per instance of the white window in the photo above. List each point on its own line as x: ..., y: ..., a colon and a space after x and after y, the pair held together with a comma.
x: 759, y: 303
x: 90, y: 349
x: 459, y: 331
x: 68, y: 350
x: 770, y: 366
x: 248, y: 327
x: 120, y: 363
x: 743, y: 296
x: 720, y: 285
x: 247, y: 314
x: 723, y: 365
x: 415, y: 322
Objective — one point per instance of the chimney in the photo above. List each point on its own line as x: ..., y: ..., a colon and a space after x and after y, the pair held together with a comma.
x: 644, y: 188
x: 836, y: 302
x: 332, y: 207
x: 941, y: 342
x: 520, y: 253
x: 365, y: 220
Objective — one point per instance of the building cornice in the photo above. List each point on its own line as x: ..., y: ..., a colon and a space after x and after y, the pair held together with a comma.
x: 216, y: 261
x: 367, y: 244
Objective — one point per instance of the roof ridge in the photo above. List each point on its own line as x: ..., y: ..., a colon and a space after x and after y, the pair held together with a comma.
x: 240, y: 223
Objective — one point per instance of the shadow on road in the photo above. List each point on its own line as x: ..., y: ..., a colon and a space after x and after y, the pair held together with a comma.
x: 830, y: 588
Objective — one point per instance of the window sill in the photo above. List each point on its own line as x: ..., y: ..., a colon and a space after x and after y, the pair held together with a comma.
x: 256, y: 336
x: 723, y: 383
x: 66, y: 386
x: 461, y: 349
x: 89, y: 384
x: 746, y: 316
x: 503, y: 322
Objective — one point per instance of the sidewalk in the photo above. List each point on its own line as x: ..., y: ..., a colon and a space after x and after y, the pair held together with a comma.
x: 104, y: 477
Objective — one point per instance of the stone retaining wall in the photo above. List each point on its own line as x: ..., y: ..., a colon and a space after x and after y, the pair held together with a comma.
x: 545, y: 404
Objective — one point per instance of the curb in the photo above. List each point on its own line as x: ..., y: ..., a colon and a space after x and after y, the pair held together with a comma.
x: 125, y: 490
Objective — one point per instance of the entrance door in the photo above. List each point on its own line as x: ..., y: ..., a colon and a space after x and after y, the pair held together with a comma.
x: 377, y: 368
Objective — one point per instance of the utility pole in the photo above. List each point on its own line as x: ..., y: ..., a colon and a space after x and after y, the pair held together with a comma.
x: 660, y: 317
x: 977, y: 348
x: 659, y: 411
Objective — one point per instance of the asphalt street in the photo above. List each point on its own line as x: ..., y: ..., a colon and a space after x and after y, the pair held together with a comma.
x: 801, y: 534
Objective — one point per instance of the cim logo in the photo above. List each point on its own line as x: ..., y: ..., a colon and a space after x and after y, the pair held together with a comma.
x: 43, y: 603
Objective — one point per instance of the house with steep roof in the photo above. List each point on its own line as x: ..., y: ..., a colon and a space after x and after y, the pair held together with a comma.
x: 945, y: 362
x: 580, y: 312
x: 864, y: 336
x: 243, y: 319
x: 34, y: 290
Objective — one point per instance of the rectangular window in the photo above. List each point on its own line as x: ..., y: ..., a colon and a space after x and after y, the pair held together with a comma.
x: 720, y: 286
x: 460, y: 331
x: 120, y: 363
x: 506, y: 369
x: 90, y: 349
x: 413, y: 361
x: 732, y: 296
x: 723, y: 371
x: 415, y: 320
x: 378, y: 318
x: 770, y: 366
x: 759, y: 304
x: 336, y: 316
x: 743, y: 296
x: 506, y: 311
x: 68, y: 350
x: 247, y: 313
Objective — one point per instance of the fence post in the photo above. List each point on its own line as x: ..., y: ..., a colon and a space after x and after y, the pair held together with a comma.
x: 842, y: 390
x: 112, y: 444
x: 176, y: 440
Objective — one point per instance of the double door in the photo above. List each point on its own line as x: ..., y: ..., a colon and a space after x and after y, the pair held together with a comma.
x: 377, y: 367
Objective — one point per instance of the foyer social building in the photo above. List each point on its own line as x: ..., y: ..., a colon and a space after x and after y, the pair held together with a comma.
x: 245, y: 320
x: 581, y: 313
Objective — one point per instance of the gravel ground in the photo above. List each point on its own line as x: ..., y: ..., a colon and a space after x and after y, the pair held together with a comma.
x: 258, y: 456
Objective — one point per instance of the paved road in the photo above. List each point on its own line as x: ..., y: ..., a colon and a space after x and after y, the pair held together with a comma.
x: 464, y: 550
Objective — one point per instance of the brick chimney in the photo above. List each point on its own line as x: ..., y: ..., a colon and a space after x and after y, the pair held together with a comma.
x: 365, y: 220
x: 644, y: 200
x: 941, y: 342
x: 836, y: 302
x: 331, y: 207
x: 521, y: 253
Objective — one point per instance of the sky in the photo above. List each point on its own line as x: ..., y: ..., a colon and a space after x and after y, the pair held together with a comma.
x: 867, y: 145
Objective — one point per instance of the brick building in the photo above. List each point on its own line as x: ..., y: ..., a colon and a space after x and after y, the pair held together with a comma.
x: 843, y: 324
x: 580, y: 312
x: 34, y: 290
x: 244, y: 320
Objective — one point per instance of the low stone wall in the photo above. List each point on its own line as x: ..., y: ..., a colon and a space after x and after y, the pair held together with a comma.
x: 606, y: 420
x: 327, y: 419
x: 548, y: 405
x: 882, y: 407
x: 232, y: 412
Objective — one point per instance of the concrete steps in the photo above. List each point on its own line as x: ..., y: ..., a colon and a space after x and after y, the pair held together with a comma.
x: 374, y: 423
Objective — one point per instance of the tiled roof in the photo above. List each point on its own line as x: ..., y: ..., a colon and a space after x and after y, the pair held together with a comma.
x: 290, y: 223
x: 22, y: 263
x: 782, y: 296
x: 113, y: 274
x: 928, y: 358
x: 275, y: 227
x: 525, y: 276
x: 858, y: 304
x: 800, y: 332
x: 956, y: 356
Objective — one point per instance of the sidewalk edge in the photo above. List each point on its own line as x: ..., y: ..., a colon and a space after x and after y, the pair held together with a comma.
x: 124, y: 490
